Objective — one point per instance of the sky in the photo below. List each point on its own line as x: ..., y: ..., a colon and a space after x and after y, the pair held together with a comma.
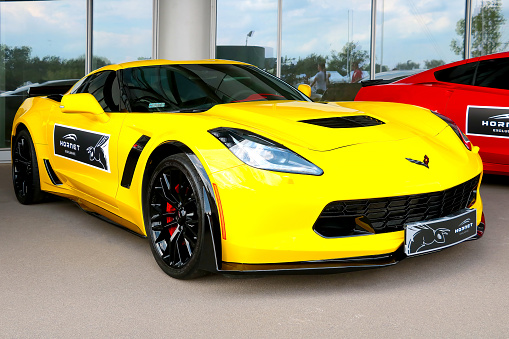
x: 414, y: 30
x: 122, y: 28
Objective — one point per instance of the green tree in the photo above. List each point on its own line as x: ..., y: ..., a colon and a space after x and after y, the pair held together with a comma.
x: 350, y: 53
x: 486, y: 33
x: 433, y: 63
x: 288, y: 70
x: 13, y: 61
x: 18, y: 67
x: 294, y: 72
x: 407, y: 65
x: 309, y: 65
x: 383, y: 68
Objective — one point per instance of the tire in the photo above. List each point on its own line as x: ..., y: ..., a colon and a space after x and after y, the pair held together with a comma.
x: 25, y: 170
x: 174, y: 217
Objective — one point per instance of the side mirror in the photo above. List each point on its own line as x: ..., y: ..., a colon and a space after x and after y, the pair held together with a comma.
x: 80, y: 103
x: 83, y: 103
x: 306, y: 89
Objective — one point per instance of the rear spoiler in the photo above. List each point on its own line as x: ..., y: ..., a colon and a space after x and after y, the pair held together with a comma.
x: 367, y: 83
x: 48, y: 90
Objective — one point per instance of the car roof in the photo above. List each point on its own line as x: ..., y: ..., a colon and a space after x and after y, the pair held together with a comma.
x: 159, y: 62
x: 429, y: 75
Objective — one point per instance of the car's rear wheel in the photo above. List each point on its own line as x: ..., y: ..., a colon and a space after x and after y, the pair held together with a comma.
x: 25, y: 171
x: 174, y: 216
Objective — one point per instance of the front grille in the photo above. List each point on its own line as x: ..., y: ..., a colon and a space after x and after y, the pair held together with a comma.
x: 390, y: 214
x: 345, y: 122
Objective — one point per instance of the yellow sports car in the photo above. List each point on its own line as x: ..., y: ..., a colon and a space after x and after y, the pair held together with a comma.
x: 226, y: 168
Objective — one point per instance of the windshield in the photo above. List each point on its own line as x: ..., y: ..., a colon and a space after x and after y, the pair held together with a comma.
x: 195, y: 88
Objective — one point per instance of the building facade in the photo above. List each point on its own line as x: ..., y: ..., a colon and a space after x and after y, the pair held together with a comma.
x: 46, y: 41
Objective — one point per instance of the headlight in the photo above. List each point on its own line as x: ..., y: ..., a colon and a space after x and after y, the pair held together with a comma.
x: 456, y: 130
x: 259, y: 152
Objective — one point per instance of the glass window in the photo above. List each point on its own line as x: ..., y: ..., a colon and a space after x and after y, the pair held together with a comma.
x: 122, y: 31
x: 329, y: 32
x: 247, y: 31
x: 189, y: 88
x: 462, y: 74
x: 40, y: 41
x: 159, y: 89
x: 490, y: 29
x: 414, y: 35
x: 493, y: 73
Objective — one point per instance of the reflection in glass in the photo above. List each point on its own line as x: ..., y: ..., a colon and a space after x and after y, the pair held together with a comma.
x: 122, y: 31
x: 332, y: 32
x: 415, y: 35
x: 41, y: 42
x: 488, y: 19
x: 247, y: 31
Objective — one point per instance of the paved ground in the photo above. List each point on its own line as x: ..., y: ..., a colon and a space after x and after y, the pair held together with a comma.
x: 66, y: 274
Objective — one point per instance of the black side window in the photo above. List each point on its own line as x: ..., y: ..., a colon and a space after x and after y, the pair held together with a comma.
x: 462, y: 74
x: 493, y: 73
x: 79, y: 85
x: 105, y: 88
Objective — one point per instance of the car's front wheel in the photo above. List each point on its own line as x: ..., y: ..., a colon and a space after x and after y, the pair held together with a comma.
x: 174, y: 216
x: 25, y: 171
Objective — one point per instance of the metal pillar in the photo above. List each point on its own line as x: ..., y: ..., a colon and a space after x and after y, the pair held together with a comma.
x: 373, y: 37
x: 468, y: 29
x: 184, y: 30
x: 213, y: 28
x: 90, y: 29
x: 155, y: 28
x: 279, y: 52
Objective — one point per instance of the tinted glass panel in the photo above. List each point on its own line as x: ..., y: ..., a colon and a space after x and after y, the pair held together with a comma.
x: 199, y: 87
x: 122, y: 31
x: 330, y: 33
x: 418, y: 34
x: 493, y: 73
x: 462, y: 74
x: 41, y: 43
x: 104, y: 87
x: 247, y: 31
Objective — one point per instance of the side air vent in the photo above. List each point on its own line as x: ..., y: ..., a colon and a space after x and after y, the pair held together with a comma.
x: 51, y: 173
x: 345, y: 122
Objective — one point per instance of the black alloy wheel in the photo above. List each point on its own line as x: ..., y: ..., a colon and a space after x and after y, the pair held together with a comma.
x: 174, y: 221
x: 25, y: 171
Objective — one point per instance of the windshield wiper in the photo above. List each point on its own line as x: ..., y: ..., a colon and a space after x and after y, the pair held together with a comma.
x: 190, y: 110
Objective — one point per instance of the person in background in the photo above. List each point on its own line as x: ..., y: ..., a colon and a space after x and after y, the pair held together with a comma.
x: 321, y: 79
x: 357, y: 73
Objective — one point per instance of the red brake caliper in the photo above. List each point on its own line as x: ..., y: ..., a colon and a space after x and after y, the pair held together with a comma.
x: 170, y: 209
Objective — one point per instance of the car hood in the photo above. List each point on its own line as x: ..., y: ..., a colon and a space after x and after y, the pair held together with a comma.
x: 289, y: 122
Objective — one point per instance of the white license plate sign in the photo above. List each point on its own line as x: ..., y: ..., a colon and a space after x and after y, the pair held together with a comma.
x: 431, y: 235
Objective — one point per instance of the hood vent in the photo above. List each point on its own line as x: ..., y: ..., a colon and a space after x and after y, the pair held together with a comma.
x: 345, y: 122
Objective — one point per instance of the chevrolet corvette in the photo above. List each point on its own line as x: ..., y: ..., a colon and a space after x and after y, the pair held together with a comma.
x: 474, y: 93
x: 227, y: 169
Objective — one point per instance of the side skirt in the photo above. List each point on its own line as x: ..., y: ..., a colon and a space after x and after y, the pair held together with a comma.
x: 107, y: 216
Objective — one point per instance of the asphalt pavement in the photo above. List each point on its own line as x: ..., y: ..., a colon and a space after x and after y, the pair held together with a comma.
x: 66, y: 274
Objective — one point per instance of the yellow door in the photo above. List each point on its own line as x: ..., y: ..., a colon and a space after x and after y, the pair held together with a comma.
x: 84, y: 137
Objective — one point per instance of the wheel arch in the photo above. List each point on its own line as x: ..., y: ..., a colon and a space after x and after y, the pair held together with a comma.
x: 30, y: 116
x: 22, y: 126
x: 211, y: 256
x: 17, y: 128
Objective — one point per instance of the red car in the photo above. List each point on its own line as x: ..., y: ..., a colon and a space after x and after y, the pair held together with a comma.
x: 474, y: 93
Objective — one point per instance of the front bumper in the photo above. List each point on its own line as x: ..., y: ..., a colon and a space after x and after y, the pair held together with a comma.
x: 269, y: 219
x: 329, y: 266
